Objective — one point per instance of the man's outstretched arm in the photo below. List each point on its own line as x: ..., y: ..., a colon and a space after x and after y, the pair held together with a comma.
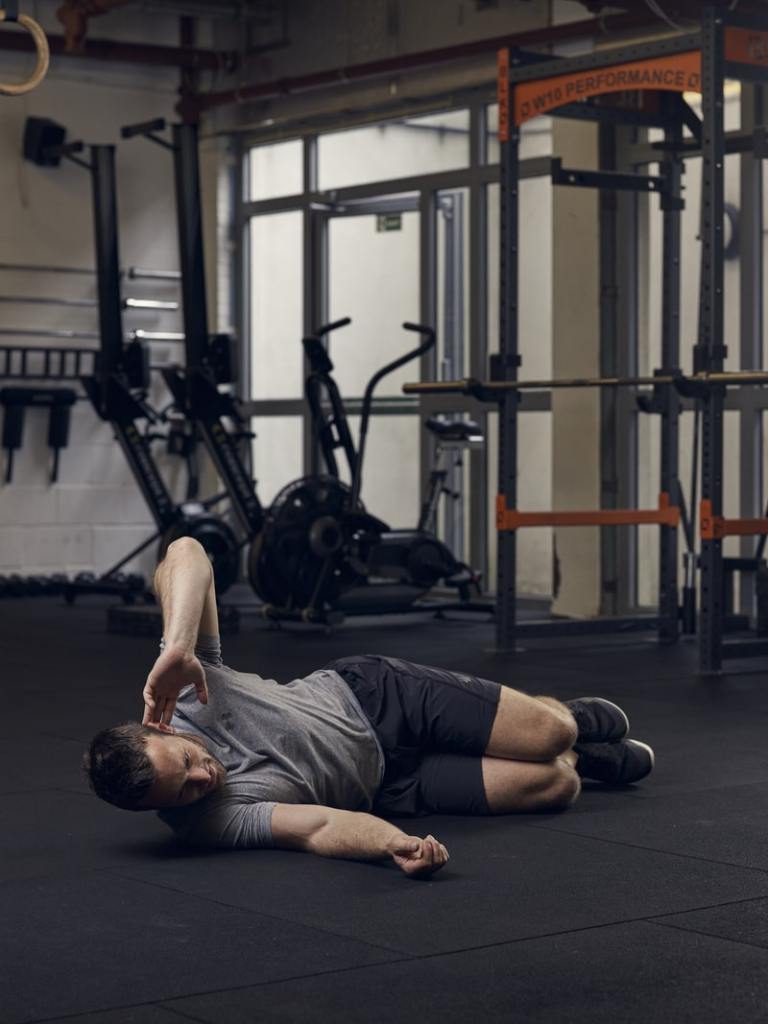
x: 185, y: 589
x: 356, y: 836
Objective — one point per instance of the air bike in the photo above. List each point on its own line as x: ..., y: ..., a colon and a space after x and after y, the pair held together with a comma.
x: 316, y: 554
x: 320, y: 552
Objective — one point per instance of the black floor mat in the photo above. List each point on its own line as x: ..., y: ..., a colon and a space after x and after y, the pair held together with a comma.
x: 642, y: 904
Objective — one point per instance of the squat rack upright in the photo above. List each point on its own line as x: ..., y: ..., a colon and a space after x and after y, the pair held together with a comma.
x: 727, y: 45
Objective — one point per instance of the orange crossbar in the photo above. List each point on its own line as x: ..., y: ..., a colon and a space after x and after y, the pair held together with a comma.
x: 666, y: 515
x: 716, y: 527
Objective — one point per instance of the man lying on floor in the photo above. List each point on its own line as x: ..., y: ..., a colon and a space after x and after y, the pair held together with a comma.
x: 233, y: 760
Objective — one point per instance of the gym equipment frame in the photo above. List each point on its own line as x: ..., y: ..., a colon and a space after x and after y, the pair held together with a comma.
x: 528, y: 85
x: 118, y: 386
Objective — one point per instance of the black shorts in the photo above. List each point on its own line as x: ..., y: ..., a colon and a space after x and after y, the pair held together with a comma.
x: 433, y: 726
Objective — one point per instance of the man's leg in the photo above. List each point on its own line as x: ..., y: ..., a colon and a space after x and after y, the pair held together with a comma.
x: 457, y: 784
x: 530, y: 728
x: 524, y: 786
x: 421, y: 706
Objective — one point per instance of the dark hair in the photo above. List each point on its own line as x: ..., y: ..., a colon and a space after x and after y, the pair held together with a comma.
x: 118, y: 766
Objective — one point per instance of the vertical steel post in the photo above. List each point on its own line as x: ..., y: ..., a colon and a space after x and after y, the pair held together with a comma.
x: 751, y: 311
x: 478, y: 333
x: 107, y: 262
x: 618, y: 220
x: 241, y: 297
x: 669, y: 456
x: 711, y: 351
x: 191, y: 253
x: 314, y: 283
x: 612, y: 336
x: 508, y: 360
x: 204, y: 403
x: 427, y: 315
x: 112, y: 394
x: 452, y: 363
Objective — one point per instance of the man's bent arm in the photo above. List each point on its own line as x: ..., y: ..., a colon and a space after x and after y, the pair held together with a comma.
x: 354, y: 835
x: 184, y: 586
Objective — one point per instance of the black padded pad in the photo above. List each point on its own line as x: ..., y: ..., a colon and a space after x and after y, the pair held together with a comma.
x: 741, y: 922
x: 144, y: 943
x: 638, y: 972
x: 524, y: 890
x: 646, y: 904
x: 151, y: 1014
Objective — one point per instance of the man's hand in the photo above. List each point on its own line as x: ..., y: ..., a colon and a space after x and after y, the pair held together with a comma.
x: 173, y: 670
x: 418, y: 858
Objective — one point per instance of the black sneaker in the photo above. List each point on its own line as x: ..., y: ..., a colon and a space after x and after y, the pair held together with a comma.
x: 599, y: 720
x: 617, y: 763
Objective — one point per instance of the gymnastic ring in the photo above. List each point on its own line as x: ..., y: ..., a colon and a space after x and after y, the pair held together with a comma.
x: 43, y: 58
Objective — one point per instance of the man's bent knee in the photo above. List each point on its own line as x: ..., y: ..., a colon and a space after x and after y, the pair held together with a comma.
x: 564, y: 789
x: 556, y: 734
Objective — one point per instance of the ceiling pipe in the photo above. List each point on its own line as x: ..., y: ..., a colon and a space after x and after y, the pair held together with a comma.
x: 129, y: 53
x: 195, y: 104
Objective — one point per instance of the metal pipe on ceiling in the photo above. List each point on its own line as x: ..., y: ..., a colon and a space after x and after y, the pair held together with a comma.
x: 191, y: 105
x: 129, y: 53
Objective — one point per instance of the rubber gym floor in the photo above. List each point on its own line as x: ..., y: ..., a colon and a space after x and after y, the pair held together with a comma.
x: 643, y: 904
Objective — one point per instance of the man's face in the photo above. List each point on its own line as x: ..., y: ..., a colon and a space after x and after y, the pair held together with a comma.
x: 185, y: 771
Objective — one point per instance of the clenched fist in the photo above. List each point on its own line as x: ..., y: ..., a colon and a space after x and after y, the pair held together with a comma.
x: 418, y: 858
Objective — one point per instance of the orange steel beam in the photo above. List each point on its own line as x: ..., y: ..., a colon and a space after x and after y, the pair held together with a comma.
x: 666, y: 515
x: 716, y: 527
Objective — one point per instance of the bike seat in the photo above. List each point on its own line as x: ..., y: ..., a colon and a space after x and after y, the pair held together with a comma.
x: 465, y: 431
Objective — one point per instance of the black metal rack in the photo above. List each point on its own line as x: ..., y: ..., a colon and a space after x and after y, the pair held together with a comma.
x: 727, y: 46
x: 527, y: 90
x: 662, y: 70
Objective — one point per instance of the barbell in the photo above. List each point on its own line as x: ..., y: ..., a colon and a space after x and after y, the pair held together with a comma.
x: 489, y: 388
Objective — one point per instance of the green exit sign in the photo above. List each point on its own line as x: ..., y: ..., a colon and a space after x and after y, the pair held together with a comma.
x: 389, y: 221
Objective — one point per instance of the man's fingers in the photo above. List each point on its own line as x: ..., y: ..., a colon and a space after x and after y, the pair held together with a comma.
x: 202, y: 693
x: 407, y: 846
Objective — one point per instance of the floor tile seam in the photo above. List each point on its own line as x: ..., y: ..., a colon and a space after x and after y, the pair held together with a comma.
x: 123, y: 1006
x: 60, y: 874
x: 710, y: 935
x: 662, y: 918
x: 256, y: 913
x: 652, y: 849
x: 410, y: 958
x: 166, y: 1003
x: 180, y: 1013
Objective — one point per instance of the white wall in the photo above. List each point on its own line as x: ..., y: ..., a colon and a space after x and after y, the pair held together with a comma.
x: 95, y: 513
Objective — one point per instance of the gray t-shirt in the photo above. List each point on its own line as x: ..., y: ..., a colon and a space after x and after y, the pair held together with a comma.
x: 304, y: 742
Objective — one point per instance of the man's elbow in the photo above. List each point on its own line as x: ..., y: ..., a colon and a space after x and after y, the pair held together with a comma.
x: 184, y: 546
